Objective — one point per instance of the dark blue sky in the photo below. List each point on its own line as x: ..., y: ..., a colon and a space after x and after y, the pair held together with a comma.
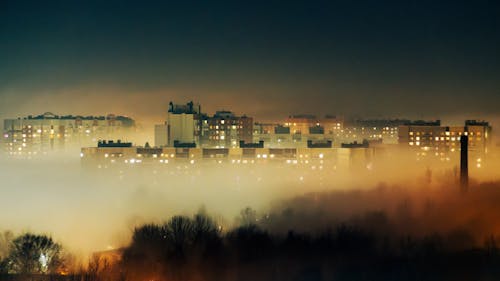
x: 269, y: 59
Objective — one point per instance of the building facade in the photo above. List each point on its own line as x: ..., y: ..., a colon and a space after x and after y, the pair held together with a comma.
x: 42, y: 133
x: 187, y: 126
x: 435, y: 137
x: 227, y: 130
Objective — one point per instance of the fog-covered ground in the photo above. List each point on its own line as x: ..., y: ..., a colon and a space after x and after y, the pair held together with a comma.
x: 93, y: 210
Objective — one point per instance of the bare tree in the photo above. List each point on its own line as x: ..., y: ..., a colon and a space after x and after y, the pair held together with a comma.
x: 248, y: 217
x: 30, y: 253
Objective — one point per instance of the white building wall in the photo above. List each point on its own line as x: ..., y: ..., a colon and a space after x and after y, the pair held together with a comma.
x: 180, y: 127
x: 161, y: 138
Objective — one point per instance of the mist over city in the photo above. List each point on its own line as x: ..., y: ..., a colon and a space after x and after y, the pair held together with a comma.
x: 214, y: 140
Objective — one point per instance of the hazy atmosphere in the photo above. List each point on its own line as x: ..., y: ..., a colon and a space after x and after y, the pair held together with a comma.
x: 352, y: 58
x: 262, y: 140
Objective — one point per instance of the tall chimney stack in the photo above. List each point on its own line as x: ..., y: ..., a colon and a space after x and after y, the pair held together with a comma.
x: 464, y: 166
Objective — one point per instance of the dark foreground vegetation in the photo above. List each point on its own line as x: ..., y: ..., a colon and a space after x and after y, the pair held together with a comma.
x: 195, y: 248
x: 372, y: 245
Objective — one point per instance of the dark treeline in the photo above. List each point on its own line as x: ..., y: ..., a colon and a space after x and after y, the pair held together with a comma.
x: 309, y: 238
x: 195, y: 248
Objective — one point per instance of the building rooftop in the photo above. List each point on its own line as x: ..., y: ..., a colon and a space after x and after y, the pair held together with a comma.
x: 223, y: 114
x: 110, y: 143
x: 476, y: 123
x: 377, y: 122
x: 302, y: 116
x: 52, y: 116
x: 424, y: 123
x: 188, y: 108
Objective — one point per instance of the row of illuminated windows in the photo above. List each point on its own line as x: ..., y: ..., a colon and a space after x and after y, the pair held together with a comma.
x: 233, y: 127
x: 447, y: 133
x: 441, y: 138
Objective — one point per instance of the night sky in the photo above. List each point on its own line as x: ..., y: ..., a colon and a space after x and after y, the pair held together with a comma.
x: 417, y: 59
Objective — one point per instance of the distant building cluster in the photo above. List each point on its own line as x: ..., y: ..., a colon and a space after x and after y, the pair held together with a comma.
x: 42, y: 133
x: 239, y: 137
x: 119, y: 154
x: 187, y: 126
x: 299, y: 131
x: 433, y: 137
